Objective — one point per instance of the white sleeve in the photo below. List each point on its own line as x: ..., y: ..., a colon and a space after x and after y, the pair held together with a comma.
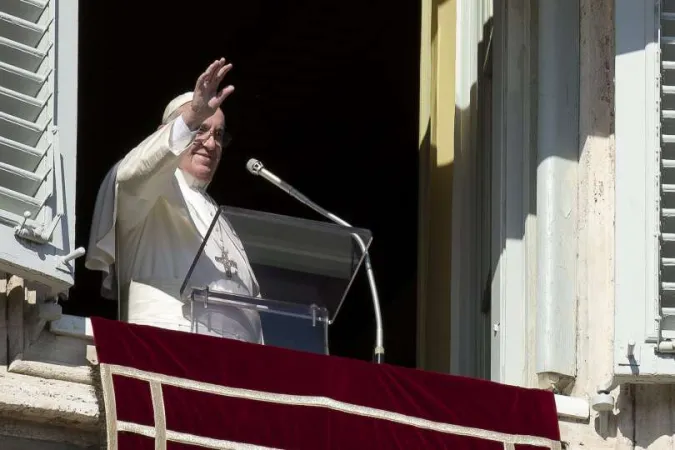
x: 145, y: 172
x: 181, y: 135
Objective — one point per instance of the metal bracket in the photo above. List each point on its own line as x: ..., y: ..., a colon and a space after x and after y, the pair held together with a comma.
x: 64, y: 261
x: 41, y: 235
x: 313, y: 308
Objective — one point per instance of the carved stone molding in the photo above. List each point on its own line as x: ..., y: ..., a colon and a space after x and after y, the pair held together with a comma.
x: 47, y: 369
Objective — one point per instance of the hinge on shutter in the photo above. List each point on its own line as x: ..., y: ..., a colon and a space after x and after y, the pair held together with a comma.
x: 39, y: 235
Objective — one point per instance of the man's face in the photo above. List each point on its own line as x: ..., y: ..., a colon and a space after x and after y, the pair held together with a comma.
x: 202, y: 158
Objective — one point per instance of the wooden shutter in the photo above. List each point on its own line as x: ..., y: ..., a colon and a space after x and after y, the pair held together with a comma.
x: 38, y: 131
x: 666, y: 205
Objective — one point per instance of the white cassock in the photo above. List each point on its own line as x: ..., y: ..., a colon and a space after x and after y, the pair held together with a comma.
x: 162, y: 215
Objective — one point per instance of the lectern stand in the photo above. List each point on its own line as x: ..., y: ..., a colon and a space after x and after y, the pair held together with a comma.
x: 304, y: 268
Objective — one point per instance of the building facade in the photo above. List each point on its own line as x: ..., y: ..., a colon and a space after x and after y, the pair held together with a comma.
x: 544, y: 240
x: 552, y: 171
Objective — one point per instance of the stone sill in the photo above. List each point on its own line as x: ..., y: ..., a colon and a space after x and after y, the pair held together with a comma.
x: 49, y: 401
x: 51, y: 382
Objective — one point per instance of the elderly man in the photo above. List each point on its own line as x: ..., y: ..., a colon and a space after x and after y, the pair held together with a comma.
x: 152, y: 213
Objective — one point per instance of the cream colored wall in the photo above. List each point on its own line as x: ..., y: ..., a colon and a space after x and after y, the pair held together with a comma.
x: 595, y: 265
x: 436, y: 147
x: 644, y: 417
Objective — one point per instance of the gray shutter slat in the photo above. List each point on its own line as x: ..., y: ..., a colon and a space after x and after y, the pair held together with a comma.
x: 666, y: 180
x: 26, y: 88
x: 30, y: 10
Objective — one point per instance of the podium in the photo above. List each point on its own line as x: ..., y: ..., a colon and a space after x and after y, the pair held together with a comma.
x: 304, y: 269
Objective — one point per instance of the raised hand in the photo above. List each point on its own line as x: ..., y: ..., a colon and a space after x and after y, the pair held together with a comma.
x: 207, y: 98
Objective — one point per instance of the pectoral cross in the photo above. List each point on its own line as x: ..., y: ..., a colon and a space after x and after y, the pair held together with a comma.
x: 229, y: 265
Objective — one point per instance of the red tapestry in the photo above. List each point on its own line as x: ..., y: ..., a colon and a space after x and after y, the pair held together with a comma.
x: 176, y: 390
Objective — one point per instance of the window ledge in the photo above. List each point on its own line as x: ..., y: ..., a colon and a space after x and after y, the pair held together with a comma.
x: 80, y: 327
x: 24, y: 397
x: 51, y: 371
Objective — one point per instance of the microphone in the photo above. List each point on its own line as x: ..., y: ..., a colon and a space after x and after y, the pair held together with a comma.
x: 257, y: 168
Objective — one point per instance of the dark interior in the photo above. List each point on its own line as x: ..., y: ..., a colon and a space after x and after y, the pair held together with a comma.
x: 326, y: 96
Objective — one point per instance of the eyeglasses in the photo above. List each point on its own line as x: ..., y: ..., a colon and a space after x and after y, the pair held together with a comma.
x: 221, y: 137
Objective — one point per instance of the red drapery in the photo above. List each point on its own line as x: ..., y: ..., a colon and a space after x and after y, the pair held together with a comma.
x: 175, y: 390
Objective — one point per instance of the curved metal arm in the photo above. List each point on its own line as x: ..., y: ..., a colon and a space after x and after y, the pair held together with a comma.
x: 379, y: 333
x: 257, y: 168
x: 379, y: 330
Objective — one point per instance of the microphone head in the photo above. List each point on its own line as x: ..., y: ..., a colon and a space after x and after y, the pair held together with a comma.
x: 254, y: 166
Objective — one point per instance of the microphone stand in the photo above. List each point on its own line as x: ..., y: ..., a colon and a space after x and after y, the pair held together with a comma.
x: 257, y: 169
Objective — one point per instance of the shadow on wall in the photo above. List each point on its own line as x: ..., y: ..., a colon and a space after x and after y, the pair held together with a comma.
x: 477, y: 158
